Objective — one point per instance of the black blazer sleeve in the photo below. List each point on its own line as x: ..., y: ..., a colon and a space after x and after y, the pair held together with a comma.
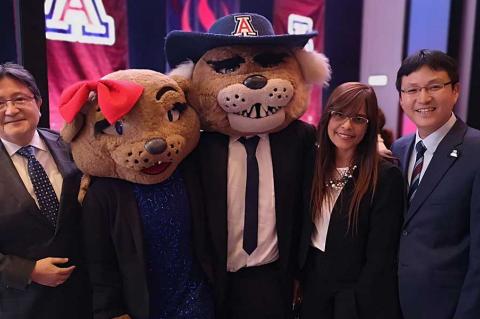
x: 103, y: 268
x: 305, y: 219
x: 379, y: 271
x: 15, y: 271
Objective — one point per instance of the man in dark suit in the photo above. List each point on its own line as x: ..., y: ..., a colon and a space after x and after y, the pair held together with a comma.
x: 439, y: 256
x: 39, y: 235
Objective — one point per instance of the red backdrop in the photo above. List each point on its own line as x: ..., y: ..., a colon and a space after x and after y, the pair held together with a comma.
x: 69, y: 62
x: 315, y: 10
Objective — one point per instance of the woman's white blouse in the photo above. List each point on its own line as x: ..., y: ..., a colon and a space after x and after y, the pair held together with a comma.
x: 322, y: 220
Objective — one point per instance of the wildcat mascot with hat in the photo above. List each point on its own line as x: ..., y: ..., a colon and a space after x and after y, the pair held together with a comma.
x: 142, y: 215
x: 249, y: 87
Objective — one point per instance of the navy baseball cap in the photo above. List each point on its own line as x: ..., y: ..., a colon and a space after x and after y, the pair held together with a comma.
x: 233, y: 29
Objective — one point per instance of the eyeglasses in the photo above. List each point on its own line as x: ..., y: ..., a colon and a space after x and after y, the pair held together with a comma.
x: 18, y: 101
x: 431, y: 88
x: 341, y: 117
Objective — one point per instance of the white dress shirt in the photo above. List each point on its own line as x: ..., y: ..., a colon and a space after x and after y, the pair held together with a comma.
x: 431, y: 143
x: 267, y: 249
x: 322, y: 218
x: 43, y: 155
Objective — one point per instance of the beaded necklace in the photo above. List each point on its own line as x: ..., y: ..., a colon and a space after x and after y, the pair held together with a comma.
x: 342, y: 180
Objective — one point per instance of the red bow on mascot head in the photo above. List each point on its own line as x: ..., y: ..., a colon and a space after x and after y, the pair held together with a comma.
x: 115, y: 98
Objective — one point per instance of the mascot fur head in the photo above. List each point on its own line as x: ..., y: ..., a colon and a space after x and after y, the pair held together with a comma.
x: 242, y: 78
x: 133, y: 125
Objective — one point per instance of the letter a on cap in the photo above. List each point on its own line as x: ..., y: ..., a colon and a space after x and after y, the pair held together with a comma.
x: 244, y: 27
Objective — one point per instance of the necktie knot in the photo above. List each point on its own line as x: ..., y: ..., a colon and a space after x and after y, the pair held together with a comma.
x: 250, y: 144
x: 420, y: 148
x: 27, y: 151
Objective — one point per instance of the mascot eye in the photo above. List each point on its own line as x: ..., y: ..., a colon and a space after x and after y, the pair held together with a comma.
x: 174, y: 114
x: 270, y: 59
x: 119, y: 127
x: 227, y: 70
x: 115, y: 129
x: 228, y: 65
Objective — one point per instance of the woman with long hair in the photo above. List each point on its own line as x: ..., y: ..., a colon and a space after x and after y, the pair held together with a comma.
x: 352, y: 222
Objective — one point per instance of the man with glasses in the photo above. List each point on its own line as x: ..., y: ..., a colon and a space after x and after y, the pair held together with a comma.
x: 40, y: 275
x: 439, y: 255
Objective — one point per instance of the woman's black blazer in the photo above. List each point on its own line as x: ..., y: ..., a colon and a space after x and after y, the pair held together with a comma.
x: 364, y: 260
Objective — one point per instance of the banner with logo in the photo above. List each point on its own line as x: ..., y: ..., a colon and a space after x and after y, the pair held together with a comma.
x: 302, y: 16
x: 86, y: 39
x: 198, y: 15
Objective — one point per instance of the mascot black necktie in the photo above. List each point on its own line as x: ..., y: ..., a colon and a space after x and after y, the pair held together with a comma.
x: 47, y: 200
x: 250, y: 230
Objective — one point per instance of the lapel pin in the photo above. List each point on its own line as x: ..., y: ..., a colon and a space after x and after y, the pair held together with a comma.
x: 454, y: 153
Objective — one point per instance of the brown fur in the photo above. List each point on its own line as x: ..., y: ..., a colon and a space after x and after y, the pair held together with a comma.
x: 206, y: 85
x: 124, y: 156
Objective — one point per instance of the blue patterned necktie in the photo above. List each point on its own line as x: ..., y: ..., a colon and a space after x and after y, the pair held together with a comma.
x: 46, y: 197
x: 417, y: 170
x: 250, y: 228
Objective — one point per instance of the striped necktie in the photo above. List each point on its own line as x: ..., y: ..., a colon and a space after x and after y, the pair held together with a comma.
x: 46, y: 197
x: 417, y: 170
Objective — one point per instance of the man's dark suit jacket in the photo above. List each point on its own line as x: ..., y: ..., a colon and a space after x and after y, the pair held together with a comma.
x: 27, y: 236
x: 113, y: 241
x: 439, y: 258
x: 359, y: 268
x: 289, y: 149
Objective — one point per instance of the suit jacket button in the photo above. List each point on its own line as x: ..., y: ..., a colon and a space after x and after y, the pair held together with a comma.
x: 404, y: 233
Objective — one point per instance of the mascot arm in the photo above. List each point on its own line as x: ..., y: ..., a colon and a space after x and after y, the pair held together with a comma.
x: 101, y: 260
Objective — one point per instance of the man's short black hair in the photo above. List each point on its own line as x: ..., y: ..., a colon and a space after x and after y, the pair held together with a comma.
x: 19, y: 73
x: 435, y: 60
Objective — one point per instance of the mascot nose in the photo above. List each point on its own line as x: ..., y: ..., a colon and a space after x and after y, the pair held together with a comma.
x: 156, y: 146
x: 255, y: 82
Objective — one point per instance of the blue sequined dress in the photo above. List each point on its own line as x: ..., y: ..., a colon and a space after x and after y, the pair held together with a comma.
x: 176, y: 283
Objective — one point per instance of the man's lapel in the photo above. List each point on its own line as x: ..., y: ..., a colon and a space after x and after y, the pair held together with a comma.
x: 70, y: 174
x: 406, y: 151
x: 10, y: 179
x: 60, y: 152
x: 438, y: 167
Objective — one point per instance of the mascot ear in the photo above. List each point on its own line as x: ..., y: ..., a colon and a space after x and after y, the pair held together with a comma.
x: 182, y: 74
x: 70, y: 130
x: 315, y: 67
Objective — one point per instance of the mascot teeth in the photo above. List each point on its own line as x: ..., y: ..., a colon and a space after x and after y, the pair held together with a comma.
x: 258, y: 111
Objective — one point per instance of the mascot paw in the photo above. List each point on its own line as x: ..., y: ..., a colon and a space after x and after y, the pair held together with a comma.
x: 84, y: 183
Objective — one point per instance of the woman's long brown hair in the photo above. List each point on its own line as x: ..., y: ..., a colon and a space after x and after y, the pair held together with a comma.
x: 347, y: 98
